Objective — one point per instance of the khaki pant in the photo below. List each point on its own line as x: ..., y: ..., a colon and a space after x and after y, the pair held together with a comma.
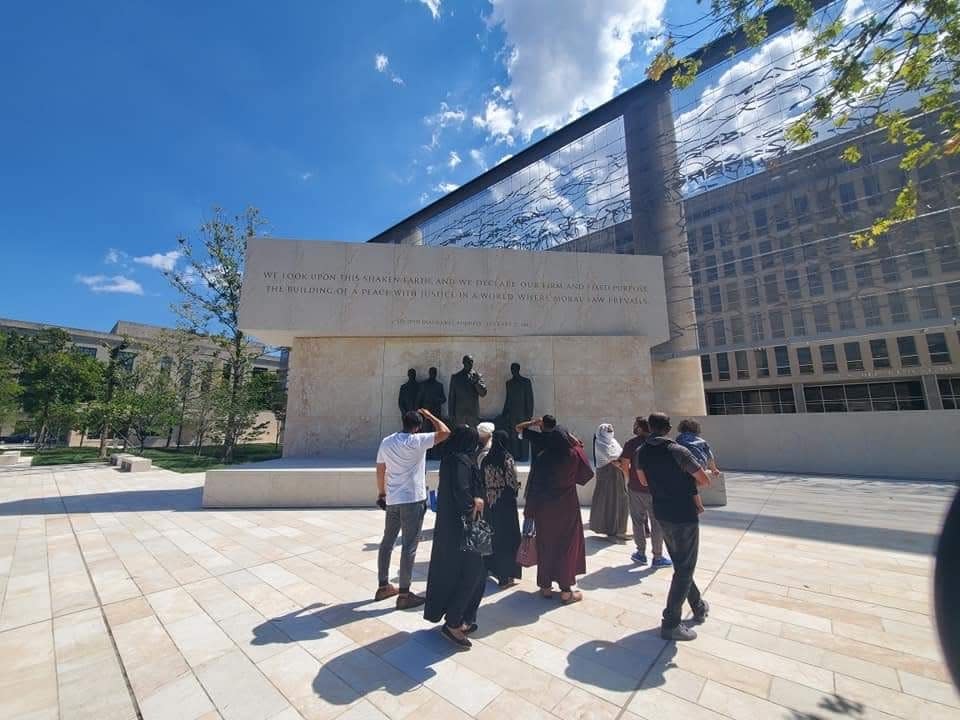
x: 641, y: 509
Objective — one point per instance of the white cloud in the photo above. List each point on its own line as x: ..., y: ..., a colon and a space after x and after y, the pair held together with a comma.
x: 111, y: 284
x: 477, y: 156
x: 397, y: 80
x: 114, y: 256
x: 381, y: 62
x: 564, y: 55
x: 424, y: 197
x: 434, y: 7
x: 498, y: 120
x: 446, y: 117
x: 454, y: 160
x: 306, y: 176
x: 504, y: 158
x: 446, y: 187
x: 160, y: 261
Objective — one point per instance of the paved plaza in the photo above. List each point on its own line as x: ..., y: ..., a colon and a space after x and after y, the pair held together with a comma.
x: 121, y: 596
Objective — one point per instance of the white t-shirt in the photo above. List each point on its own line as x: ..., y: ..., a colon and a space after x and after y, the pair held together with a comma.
x: 405, y: 455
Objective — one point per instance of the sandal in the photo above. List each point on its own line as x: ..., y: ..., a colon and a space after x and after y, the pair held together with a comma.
x: 546, y: 593
x: 574, y: 596
x: 469, y: 629
x: 461, y: 642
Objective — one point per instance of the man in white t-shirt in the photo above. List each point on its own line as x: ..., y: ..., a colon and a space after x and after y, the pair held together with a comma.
x: 402, y: 488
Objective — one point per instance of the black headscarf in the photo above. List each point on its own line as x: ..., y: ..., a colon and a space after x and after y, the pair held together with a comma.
x: 463, y: 441
x: 499, y: 448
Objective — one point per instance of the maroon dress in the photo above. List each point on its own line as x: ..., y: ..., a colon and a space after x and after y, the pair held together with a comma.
x: 552, y: 502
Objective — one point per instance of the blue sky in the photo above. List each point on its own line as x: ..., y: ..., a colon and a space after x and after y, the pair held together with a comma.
x: 122, y: 124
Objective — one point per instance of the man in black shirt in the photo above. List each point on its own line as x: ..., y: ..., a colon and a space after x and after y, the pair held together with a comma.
x: 673, y: 474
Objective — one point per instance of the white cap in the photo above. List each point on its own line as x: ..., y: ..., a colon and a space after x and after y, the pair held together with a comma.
x: 486, y: 428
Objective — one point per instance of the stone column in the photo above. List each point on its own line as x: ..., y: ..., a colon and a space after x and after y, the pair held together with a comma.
x: 932, y: 392
x: 659, y: 228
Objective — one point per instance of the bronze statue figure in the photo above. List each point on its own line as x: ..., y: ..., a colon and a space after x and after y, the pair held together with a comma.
x: 518, y: 408
x: 409, y: 393
x: 466, y: 389
x: 432, y: 395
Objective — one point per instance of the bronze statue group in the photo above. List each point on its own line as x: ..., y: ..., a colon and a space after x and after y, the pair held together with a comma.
x: 477, y: 533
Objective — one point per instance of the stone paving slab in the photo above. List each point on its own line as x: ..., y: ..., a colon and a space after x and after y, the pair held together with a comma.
x: 120, y: 597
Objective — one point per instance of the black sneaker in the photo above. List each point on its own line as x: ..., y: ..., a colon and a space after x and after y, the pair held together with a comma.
x: 408, y: 601
x: 700, y: 615
x: 678, y: 633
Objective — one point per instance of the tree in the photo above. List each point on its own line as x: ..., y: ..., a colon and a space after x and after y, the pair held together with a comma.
x: 55, y: 378
x: 150, y: 398
x: 268, y: 393
x: 210, y: 289
x: 894, y: 60
x: 9, y: 386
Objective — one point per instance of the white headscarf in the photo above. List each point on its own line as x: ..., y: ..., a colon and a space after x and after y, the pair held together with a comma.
x: 487, y: 428
x: 606, y: 449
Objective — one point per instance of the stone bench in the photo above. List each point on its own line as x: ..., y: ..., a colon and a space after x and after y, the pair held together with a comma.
x: 117, y: 458
x: 716, y: 494
x: 135, y: 463
x: 10, y: 457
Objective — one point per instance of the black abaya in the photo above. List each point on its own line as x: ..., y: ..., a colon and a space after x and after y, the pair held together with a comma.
x: 456, y: 578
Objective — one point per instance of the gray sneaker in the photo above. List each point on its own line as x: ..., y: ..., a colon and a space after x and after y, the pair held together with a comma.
x: 700, y: 615
x: 679, y: 633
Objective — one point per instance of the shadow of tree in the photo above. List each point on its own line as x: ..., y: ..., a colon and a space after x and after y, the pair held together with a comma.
x: 834, y: 705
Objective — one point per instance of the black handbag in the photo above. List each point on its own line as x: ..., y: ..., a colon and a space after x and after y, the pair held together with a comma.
x: 477, y: 537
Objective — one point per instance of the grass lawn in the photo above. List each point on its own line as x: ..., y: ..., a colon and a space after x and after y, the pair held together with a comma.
x: 184, y: 460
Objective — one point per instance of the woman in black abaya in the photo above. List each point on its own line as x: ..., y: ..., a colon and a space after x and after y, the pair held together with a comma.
x: 499, y: 474
x: 456, y: 577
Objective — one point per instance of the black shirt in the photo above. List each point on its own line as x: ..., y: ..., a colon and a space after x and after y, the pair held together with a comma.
x: 669, y: 470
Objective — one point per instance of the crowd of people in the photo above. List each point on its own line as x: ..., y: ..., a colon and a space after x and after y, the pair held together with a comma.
x: 651, y: 479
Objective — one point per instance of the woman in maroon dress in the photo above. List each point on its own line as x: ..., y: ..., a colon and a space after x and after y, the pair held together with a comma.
x: 559, y: 465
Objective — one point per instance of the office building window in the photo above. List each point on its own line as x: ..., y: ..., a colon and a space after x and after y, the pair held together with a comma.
x: 949, y: 258
x: 743, y: 368
x: 927, y: 299
x: 719, y: 333
x: 825, y: 200
x: 871, y: 191
x: 838, y: 277
x: 756, y: 327
x: 949, y: 393
x: 753, y: 291
x: 851, y: 350
x: 937, y: 347
x: 780, y: 217
x: 888, y: 268
x: 710, y: 268
x: 799, y: 322
x: 777, y: 329
x: 729, y: 264
x: 848, y: 197
x: 880, y: 354
x: 743, y: 228
x: 809, y: 250
x: 791, y: 279
x: 864, y: 273
x: 695, y: 271
x: 716, y: 305
x: 801, y: 208
x: 828, y: 359
x: 821, y: 318
x: 736, y: 330
x: 126, y: 359
x: 723, y: 366
x: 765, y: 250
x: 762, y: 362
x: 765, y: 401
x: 845, y: 314
x: 85, y: 350
x: 706, y: 237
x: 953, y: 297
x: 899, y: 311
x: 760, y: 220
x: 746, y: 260
x: 871, y: 310
x: 733, y: 296
x: 864, y: 397
x: 907, y: 349
x: 724, y: 233
x: 918, y: 264
x: 786, y: 244
x: 832, y: 246
x: 698, y: 301
x: 702, y: 335
x: 782, y: 358
x: 705, y: 368
x: 692, y: 241
x: 814, y: 281
x: 771, y: 288
x: 804, y: 361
